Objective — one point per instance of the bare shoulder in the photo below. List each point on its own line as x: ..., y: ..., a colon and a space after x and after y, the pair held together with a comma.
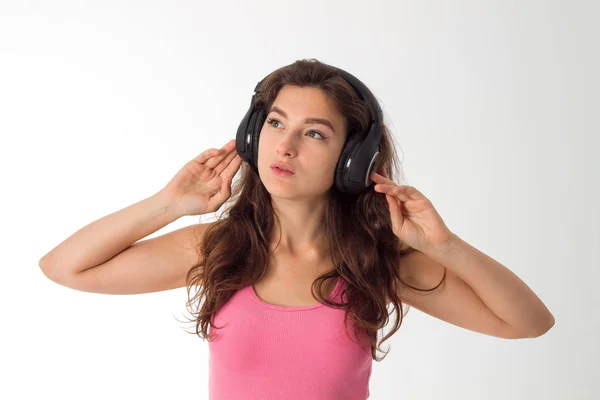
x: 190, y: 237
x: 185, y: 241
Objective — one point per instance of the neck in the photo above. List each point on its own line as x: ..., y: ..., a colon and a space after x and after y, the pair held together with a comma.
x: 299, y: 228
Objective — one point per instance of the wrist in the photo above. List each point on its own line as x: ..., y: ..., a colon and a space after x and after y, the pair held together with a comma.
x: 444, y: 247
x: 167, y: 205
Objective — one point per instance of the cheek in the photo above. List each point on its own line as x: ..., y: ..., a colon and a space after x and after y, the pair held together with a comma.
x: 265, y: 146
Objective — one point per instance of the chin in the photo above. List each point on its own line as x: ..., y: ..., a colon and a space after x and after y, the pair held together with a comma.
x: 278, y: 190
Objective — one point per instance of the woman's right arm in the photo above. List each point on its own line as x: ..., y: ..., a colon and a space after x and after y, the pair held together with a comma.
x: 105, y: 256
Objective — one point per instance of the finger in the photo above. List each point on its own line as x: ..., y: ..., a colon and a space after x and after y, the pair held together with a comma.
x: 394, y: 190
x: 393, y: 202
x: 406, y: 190
x: 411, y: 191
x: 230, y: 169
x: 225, y: 155
x: 215, y: 201
x: 378, y: 178
x: 206, y: 155
x: 219, y: 162
x: 219, y: 154
x: 395, y: 210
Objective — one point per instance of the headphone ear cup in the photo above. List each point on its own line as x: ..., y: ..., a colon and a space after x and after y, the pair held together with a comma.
x: 256, y: 126
x: 241, y: 146
x: 250, y: 134
x: 341, y: 171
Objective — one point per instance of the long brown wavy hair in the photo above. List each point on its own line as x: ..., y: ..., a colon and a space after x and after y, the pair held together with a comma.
x: 364, y: 250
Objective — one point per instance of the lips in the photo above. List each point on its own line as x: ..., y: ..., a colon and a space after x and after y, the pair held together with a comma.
x: 283, y: 166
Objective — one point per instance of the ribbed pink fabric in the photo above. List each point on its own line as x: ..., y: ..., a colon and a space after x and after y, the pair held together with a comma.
x: 269, y: 352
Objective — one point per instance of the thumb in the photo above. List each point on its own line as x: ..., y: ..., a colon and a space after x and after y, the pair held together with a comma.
x: 215, y: 202
x: 225, y: 189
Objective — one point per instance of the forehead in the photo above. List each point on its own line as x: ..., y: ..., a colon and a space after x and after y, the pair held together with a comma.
x: 306, y: 101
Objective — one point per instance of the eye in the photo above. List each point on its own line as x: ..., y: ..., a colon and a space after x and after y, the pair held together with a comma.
x: 270, y: 120
x: 318, y: 133
x: 273, y: 120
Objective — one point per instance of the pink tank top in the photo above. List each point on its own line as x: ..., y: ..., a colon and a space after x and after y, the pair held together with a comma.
x: 269, y: 352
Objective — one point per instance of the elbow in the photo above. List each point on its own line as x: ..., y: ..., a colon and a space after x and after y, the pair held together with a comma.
x: 544, y: 328
x: 44, y: 266
x: 45, y: 263
x: 48, y: 269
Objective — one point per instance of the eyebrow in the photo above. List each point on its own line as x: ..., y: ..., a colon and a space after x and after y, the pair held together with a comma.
x: 312, y: 120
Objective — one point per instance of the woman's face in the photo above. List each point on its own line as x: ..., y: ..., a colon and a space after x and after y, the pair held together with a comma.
x: 303, y: 129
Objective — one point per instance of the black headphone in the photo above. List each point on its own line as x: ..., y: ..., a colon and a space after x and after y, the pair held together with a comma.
x: 359, y: 156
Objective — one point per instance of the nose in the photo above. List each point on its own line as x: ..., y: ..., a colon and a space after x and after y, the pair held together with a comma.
x: 287, y: 145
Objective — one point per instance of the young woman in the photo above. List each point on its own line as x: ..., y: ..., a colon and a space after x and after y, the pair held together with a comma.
x: 295, y: 279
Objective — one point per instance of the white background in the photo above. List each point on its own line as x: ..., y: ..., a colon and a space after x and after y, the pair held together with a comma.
x: 495, y: 106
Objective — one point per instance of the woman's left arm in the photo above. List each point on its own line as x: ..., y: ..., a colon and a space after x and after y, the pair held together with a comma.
x: 418, y: 224
x: 503, y: 292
